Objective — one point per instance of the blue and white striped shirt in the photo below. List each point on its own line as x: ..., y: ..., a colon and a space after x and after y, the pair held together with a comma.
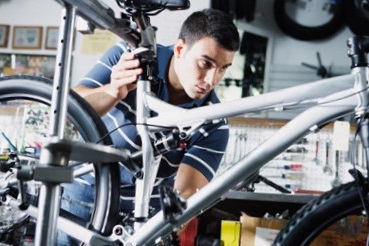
x: 204, y: 149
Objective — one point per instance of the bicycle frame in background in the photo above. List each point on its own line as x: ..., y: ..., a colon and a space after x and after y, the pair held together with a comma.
x: 326, y: 99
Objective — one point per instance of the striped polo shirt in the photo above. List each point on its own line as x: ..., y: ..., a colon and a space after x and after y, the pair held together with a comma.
x: 204, y: 150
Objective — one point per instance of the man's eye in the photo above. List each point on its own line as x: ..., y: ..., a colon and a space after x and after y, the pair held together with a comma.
x: 223, y: 69
x: 204, y: 64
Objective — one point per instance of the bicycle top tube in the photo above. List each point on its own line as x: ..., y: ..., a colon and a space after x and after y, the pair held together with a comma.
x: 304, y: 95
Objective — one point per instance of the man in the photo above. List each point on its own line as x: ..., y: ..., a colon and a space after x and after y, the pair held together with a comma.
x: 188, y: 72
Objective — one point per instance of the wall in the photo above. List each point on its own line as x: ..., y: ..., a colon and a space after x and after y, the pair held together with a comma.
x: 289, y: 51
x: 47, y: 13
x: 284, y: 53
x: 29, y: 13
x: 167, y: 22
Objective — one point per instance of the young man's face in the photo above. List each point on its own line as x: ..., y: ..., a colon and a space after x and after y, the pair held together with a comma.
x: 200, y: 68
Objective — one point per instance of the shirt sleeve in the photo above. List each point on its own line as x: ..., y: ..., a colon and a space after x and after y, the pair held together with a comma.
x: 100, y: 73
x: 206, y: 148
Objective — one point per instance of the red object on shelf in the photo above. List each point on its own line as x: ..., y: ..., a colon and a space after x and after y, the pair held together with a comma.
x: 188, y: 236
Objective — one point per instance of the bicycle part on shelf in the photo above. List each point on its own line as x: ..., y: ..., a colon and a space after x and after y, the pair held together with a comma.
x: 309, y: 20
x: 316, y: 157
x: 272, y: 184
x: 11, y: 161
x: 327, y: 167
x: 336, y: 180
x: 321, y: 71
x: 19, y: 91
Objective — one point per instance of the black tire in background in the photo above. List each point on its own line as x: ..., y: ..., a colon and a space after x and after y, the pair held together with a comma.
x: 90, y: 127
x: 316, y: 216
x: 357, y: 18
x: 305, y: 32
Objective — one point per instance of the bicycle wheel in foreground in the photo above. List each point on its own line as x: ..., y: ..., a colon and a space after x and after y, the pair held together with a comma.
x: 340, y: 205
x: 29, y: 98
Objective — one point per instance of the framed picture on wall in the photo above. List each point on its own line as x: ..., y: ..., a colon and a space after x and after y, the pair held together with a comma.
x: 4, y: 35
x: 27, y: 37
x: 52, y: 35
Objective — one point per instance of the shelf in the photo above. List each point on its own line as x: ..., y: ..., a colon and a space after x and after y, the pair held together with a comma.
x: 258, y: 204
x: 269, y: 197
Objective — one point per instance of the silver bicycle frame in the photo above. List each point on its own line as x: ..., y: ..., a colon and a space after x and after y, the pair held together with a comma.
x: 333, y: 98
x: 326, y: 99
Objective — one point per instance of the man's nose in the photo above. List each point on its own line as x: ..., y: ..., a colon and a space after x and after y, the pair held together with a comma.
x: 210, y: 77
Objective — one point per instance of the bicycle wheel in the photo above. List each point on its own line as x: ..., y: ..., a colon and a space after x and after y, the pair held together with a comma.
x: 316, y: 216
x: 25, y: 90
x: 357, y: 17
x: 308, y: 20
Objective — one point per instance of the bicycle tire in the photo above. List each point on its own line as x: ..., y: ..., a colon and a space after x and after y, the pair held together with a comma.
x: 91, y: 128
x: 304, y: 32
x: 357, y: 18
x: 316, y: 216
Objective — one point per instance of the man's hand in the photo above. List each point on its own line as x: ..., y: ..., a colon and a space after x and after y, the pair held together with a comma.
x: 124, y: 75
x: 122, y: 80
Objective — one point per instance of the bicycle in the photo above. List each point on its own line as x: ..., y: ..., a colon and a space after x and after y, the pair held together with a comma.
x: 326, y: 100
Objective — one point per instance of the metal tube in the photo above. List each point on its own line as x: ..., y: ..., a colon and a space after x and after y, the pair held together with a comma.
x: 49, y: 202
x: 212, y: 192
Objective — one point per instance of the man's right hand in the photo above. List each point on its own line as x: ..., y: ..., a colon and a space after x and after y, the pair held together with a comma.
x: 124, y: 75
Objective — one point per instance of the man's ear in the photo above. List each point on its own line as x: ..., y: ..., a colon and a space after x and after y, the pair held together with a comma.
x: 179, y: 48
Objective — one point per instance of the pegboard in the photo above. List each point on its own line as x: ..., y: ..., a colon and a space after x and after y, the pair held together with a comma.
x: 311, y: 165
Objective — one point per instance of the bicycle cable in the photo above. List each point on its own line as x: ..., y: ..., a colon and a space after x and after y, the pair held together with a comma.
x: 132, y: 124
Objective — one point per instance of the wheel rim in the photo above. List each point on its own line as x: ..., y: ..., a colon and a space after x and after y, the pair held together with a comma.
x: 89, y: 126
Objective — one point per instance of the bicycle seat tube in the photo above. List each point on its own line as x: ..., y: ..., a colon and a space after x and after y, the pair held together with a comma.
x: 150, y: 163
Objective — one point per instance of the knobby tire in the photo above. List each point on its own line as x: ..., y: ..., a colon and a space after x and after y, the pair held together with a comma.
x: 90, y: 127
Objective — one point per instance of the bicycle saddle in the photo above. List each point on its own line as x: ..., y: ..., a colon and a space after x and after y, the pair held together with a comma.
x: 150, y: 5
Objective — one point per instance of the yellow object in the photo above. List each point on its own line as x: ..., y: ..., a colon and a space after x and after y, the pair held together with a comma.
x: 98, y: 42
x: 230, y: 233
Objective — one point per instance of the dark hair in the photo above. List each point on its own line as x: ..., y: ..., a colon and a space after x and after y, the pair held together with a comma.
x: 211, y: 23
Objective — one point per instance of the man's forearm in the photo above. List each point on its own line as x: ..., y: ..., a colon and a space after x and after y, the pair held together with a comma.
x: 102, y: 99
